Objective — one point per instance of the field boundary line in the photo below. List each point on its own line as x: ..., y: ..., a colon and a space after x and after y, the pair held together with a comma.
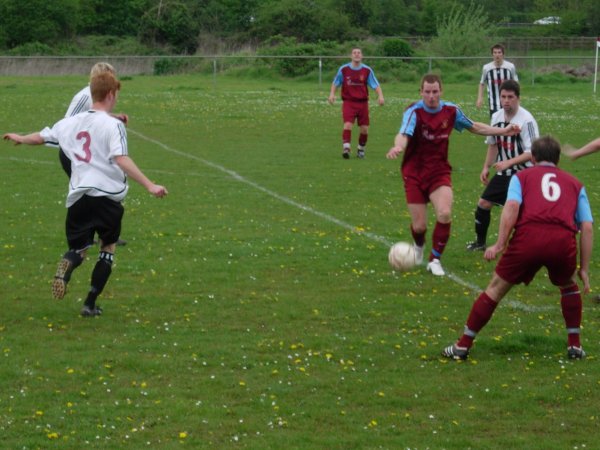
x: 515, y: 304
x: 329, y: 218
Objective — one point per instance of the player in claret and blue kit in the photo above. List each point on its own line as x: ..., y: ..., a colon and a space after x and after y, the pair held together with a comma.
x: 546, y: 208
x: 355, y: 78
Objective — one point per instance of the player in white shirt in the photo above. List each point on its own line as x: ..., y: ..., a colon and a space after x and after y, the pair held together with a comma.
x: 506, y: 154
x: 81, y: 102
x: 96, y: 144
x: 493, y: 75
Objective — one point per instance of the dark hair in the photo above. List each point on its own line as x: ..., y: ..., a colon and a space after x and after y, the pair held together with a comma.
x: 511, y: 85
x: 431, y: 78
x: 546, y: 148
x: 497, y: 47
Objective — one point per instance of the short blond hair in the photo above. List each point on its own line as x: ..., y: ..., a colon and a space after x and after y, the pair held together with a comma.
x: 102, y: 67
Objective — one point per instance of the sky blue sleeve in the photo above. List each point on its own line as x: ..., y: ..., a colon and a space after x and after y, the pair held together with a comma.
x: 372, y: 80
x: 462, y: 121
x: 515, y: 192
x: 584, y: 211
x: 338, y: 79
x: 409, y: 122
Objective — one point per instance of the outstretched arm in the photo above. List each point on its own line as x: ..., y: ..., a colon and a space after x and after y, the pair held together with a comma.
x: 29, y: 139
x: 487, y: 130
x: 131, y: 169
x: 588, y: 148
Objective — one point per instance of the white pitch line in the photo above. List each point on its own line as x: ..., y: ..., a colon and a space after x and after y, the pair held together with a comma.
x: 374, y: 237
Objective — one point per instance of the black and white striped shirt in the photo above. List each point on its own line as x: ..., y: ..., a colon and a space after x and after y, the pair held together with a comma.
x: 492, y: 77
x: 512, y: 146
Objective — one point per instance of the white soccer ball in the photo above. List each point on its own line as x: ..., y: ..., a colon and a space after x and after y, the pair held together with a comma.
x: 402, y: 256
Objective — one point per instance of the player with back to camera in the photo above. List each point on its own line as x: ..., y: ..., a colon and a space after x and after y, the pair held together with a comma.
x: 96, y: 145
x: 423, y: 138
x: 545, y: 198
x: 506, y: 154
x: 354, y: 78
x: 82, y: 101
x: 493, y: 75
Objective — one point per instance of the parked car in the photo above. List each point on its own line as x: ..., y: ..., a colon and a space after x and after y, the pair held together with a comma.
x: 550, y: 20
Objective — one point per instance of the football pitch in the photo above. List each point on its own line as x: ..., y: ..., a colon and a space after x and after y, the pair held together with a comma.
x: 254, y: 306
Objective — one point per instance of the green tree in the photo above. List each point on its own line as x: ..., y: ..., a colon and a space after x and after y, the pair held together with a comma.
x: 169, y: 23
x: 308, y: 21
x: 120, y: 18
x: 37, y: 21
x: 464, y: 31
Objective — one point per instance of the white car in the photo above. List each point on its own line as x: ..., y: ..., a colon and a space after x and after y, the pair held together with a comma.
x: 550, y: 20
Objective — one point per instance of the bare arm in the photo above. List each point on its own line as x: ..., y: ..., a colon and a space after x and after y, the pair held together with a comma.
x: 487, y: 130
x: 479, y: 102
x: 521, y: 159
x: 131, y: 169
x: 510, y: 213
x: 586, y: 240
x: 331, y: 98
x: 490, y: 159
x: 380, y: 98
x: 400, y: 144
x: 29, y: 139
x: 588, y: 148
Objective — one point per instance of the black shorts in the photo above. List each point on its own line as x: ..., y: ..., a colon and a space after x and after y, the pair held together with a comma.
x: 91, y: 215
x: 497, y: 189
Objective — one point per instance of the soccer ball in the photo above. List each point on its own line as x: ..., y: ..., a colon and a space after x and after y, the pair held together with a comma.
x: 402, y: 256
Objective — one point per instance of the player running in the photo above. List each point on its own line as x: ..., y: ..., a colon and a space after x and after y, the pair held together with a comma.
x: 424, y: 138
x: 96, y: 145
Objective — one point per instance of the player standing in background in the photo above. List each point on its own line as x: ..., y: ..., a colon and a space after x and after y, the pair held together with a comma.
x: 423, y: 138
x: 492, y: 76
x: 96, y: 144
x: 546, y: 207
x: 506, y: 154
x: 354, y: 78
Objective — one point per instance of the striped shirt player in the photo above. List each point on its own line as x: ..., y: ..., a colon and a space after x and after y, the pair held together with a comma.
x: 507, y: 154
x: 492, y: 77
x: 355, y: 79
x: 540, y: 198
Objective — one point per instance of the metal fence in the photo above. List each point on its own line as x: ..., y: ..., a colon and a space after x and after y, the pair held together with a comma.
x: 578, y: 66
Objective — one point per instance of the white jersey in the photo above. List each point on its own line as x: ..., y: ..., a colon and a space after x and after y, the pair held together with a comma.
x: 512, y: 146
x: 492, y: 76
x: 91, y: 140
x: 82, y: 101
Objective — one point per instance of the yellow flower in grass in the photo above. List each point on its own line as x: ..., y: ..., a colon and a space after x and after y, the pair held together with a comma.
x: 183, y: 434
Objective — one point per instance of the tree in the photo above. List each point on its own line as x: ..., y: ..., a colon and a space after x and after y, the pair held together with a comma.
x: 120, y: 18
x: 38, y: 21
x: 464, y: 31
x: 170, y: 23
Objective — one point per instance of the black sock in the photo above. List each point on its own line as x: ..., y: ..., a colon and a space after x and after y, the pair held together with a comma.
x: 100, y: 275
x: 75, y: 259
x: 482, y: 223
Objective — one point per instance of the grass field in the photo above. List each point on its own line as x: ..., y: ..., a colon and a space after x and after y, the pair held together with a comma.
x: 254, y: 306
